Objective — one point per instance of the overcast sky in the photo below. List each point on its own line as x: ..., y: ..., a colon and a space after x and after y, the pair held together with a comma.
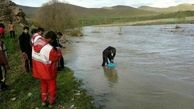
x: 106, y: 3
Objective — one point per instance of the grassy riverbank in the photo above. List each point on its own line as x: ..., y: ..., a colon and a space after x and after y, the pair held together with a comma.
x: 24, y: 90
x: 187, y: 20
x: 165, y: 18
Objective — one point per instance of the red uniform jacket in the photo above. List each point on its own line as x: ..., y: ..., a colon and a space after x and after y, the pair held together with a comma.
x: 44, y: 59
x: 2, y: 30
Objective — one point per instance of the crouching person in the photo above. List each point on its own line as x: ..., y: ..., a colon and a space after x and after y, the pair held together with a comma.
x: 4, y: 66
x: 108, y: 55
x: 44, y: 66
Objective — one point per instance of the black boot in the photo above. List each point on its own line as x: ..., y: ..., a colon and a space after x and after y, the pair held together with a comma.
x: 1, y: 85
x: 4, y: 86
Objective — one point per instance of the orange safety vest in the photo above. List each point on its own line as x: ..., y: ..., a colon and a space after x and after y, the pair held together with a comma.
x: 44, y: 58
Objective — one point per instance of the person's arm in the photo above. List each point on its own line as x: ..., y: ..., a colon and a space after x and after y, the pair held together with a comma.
x: 55, y: 55
x: 114, y: 54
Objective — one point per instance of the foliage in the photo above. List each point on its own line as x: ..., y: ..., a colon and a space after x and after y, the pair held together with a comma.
x: 56, y: 16
x: 109, y: 20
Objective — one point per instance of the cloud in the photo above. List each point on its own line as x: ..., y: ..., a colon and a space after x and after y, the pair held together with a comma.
x: 35, y: 3
x: 185, y: 1
x: 103, y: 3
x: 167, y: 3
x: 95, y: 3
x: 163, y: 3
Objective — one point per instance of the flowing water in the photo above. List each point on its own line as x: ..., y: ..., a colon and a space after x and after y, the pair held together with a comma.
x: 155, y: 66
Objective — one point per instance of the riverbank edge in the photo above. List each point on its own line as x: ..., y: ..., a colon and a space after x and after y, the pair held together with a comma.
x: 24, y: 91
x: 188, y: 20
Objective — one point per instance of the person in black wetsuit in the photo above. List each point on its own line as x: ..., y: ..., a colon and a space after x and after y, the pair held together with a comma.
x: 108, y: 55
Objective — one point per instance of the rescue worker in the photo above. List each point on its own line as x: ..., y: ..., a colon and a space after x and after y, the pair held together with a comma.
x: 44, y: 65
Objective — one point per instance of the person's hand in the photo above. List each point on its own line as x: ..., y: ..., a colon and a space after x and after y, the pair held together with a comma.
x: 25, y: 56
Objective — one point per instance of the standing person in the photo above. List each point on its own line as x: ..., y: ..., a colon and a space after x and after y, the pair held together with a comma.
x: 4, y: 66
x: 37, y: 33
x: 11, y: 29
x: 56, y: 44
x: 44, y: 59
x: 2, y: 30
x: 59, y: 35
x: 26, y: 48
x: 108, y: 55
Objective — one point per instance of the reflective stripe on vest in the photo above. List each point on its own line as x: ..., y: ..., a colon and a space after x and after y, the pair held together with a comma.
x: 35, y: 37
x: 43, y: 55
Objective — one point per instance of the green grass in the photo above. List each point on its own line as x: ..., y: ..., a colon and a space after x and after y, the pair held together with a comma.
x: 122, y: 19
x: 26, y: 90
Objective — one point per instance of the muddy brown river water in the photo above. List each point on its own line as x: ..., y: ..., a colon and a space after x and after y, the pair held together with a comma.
x: 155, y: 66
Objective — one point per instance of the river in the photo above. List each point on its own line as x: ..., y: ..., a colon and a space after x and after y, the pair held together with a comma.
x: 155, y: 66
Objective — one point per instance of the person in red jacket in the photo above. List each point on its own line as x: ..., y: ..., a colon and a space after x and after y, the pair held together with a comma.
x: 2, y: 30
x: 44, y: 65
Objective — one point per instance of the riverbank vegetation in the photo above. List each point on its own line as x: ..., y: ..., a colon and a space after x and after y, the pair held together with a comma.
x: 178, y: 17
x: 24, y: 91
x: 57, y: 16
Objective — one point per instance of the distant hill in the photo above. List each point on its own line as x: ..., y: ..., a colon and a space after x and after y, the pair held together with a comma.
x: 181, y: 7
x: 115, y: 11
x: 148, y: 8
x: 120, y: 13
x: 29, y: 11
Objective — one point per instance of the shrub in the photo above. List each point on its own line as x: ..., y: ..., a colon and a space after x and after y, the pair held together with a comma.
x: 56, y: 16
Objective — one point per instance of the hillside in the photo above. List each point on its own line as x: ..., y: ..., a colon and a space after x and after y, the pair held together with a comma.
x: 123, y: 11
x: 9, y: 11
x: 117, y: 11
x: 116, y: 14
x: 29, y: 11
x: 181, y: 7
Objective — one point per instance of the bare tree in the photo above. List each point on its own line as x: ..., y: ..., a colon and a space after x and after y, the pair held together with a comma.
x: 56, y: 16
